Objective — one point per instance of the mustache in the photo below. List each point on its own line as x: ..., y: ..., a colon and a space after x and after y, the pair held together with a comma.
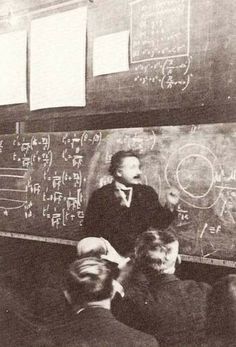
x: 137, y: 176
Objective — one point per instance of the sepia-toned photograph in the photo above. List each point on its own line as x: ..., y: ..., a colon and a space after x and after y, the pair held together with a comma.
x: 117, y: 173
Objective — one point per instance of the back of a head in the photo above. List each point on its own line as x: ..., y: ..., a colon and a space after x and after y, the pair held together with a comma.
x: 222, y: 308
x: 157, y: 250
x: 89, y: 279
x: 91, y: 247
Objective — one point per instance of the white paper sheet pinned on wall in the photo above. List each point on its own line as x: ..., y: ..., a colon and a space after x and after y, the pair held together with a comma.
x: 13, y: 68
x: 110, y: 53
x: 57, y: 62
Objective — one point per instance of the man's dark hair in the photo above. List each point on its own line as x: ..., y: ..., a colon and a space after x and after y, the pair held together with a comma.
x: 117, y: 158
x: 89, y: 279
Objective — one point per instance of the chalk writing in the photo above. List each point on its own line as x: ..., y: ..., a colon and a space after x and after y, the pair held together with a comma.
x: 59, y: 190
x: 167, y: 74
x: 160, y: 44
x: 183, y: 216
x: 47, y: 179
x: 159, y: 29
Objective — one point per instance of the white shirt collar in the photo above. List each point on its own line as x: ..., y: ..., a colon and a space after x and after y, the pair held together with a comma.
x: 121, y: 187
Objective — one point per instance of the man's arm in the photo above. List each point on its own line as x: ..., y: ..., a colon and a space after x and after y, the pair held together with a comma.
x: 163, y: 216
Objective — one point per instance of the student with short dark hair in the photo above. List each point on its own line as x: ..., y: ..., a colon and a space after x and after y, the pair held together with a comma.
x: 89, y: 290
x: 122, y: 210
x: 90, y: 280
x: 172, y: 310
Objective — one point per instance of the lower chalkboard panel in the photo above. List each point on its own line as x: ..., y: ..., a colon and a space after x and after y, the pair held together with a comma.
x: 46, y: 180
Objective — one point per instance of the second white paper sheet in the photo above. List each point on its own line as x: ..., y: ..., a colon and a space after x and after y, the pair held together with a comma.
x: 111, y: 53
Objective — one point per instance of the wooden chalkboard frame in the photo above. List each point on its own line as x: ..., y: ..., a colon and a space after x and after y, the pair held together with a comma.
x: 184, y: 257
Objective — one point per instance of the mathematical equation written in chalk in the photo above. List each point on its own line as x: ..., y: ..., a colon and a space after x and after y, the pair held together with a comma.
x: 159, y: 29
x: 171, y: 73
x: 46, y: 180
x: 45, y: 176
x: 160, y: 44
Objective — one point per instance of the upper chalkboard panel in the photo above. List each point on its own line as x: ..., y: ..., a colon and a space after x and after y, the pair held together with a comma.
x: 46, y: 180
x: 182, y: 53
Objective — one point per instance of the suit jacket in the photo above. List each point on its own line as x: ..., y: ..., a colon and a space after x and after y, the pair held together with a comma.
x: 96, y: 327
x: 17, y: 326
x: 172, y: 310
x: 120, y: 225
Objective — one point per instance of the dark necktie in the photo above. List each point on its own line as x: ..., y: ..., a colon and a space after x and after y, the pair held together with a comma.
x: 127, y: 192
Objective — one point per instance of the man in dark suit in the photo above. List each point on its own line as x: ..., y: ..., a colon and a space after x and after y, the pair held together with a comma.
x: 172, y: 310
x: 89, y: 290
x: 120, y: 211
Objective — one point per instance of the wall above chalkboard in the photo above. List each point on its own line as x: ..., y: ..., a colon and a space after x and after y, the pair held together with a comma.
x: 46, y: 180
x: 181, y: 54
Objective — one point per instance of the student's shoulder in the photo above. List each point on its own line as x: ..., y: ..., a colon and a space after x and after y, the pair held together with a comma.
x: 143, y: 339
x: 195, y: 285
x: 139, y: 338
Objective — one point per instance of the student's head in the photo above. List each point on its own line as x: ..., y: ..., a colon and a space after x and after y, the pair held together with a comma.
x: 157, y: 250
x: 125, y: 167
x: 91, y: 247
x: 88, y: 280
x: 222, y: 308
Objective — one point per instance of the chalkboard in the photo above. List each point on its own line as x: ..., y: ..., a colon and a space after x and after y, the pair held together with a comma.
x: 181, y: 54
x: 46, y: 181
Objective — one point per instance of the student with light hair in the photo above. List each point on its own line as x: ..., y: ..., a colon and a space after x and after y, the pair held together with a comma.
x: 172, y: 310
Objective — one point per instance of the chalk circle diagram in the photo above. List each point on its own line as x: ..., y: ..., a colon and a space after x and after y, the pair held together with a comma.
x: 192, y: 169
x: 13, y: 192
